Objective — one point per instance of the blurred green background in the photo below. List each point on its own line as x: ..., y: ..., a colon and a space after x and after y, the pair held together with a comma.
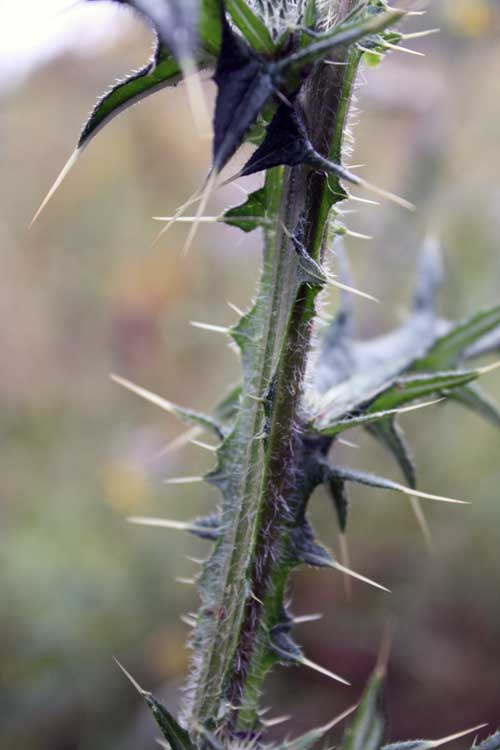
x: 84, y: 294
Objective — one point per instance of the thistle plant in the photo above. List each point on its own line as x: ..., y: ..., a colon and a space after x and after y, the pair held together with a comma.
x: 285, y: 72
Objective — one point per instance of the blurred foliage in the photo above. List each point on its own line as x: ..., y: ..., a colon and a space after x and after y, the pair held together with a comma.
x: 84, y: 294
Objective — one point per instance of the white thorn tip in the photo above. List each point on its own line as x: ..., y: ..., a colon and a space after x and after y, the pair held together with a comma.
x: 57, y: 184
x: 209, y: 327
x: 333, y: 723
x: 129, y: 677
x: 307, y: 618
x: 162, y: 523
x: 183, y: 480
x: 458, y: 735
x: 359, y: 577
x: 322, y: 670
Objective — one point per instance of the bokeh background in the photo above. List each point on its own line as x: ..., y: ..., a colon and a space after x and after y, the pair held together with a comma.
x: 84, y: 294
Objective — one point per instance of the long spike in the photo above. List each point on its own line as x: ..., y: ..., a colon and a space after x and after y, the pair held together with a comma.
x: 196, y: 96
x: 209, y: 327
x: 333, y: 723
x: 162, y: 523
x: 352, y: 289
x: 58, y: 182
x: 358, y: 576
x: 427, y: 496
x: 452, y: 737
x: 422, y: 522
x: 399, y: 48
x: 153, y: 398
x: 322, y: 670
x: 129, y: 677
x: 205, y: 446
x: 346, y: 561
x: 183, y: 480
x: 488, y: 368
x: 208, y: 189
x: 178, y: 442
x: 307, y: 618
x: 274, y: 722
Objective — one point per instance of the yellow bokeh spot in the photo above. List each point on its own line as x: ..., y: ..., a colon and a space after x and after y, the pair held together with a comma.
x: 126, y: 486
x: 471, y: 18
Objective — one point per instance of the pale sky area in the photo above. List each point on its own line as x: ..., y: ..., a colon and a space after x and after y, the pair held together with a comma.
x: 34, y: 30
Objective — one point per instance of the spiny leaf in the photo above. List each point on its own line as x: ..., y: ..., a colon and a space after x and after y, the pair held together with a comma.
x: 186, y: 415
x: 177, y: 737
x: 430, y: 744
x: 367, y: 729
x: 371, y: 480
x: 245, y: 82
x: 308, y: 551
x: 326, y: 425
x: 407, y: 389
x: 161, y: 71
x: 207, y: 527
x: 448, y: 348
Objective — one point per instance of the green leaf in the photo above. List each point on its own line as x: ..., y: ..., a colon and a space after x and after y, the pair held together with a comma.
x: 249, y: 215
x: 160, y: 72
x: 449, y: 348
x: 326, y: 427
x: 251, y: 26
x: 412, y: 388
x: 176, y: 736
x: 367, y: 729
x: 211, y: 26
x: 473, y: 398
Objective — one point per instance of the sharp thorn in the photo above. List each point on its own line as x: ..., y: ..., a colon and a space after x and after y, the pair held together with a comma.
x: 205, y: 446
x: 163, y: 523
x: 451, y: 737
x: 322, y: 670
x: 333, y: 723
x: 307, y: 618
x: 57, y: 184
x: 130, y: 678
x: 358, y: 576
x: 183, y: 480
x: 209, y: 327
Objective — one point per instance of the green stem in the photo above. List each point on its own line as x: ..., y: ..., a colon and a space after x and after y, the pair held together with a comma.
x: 242, y: 583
